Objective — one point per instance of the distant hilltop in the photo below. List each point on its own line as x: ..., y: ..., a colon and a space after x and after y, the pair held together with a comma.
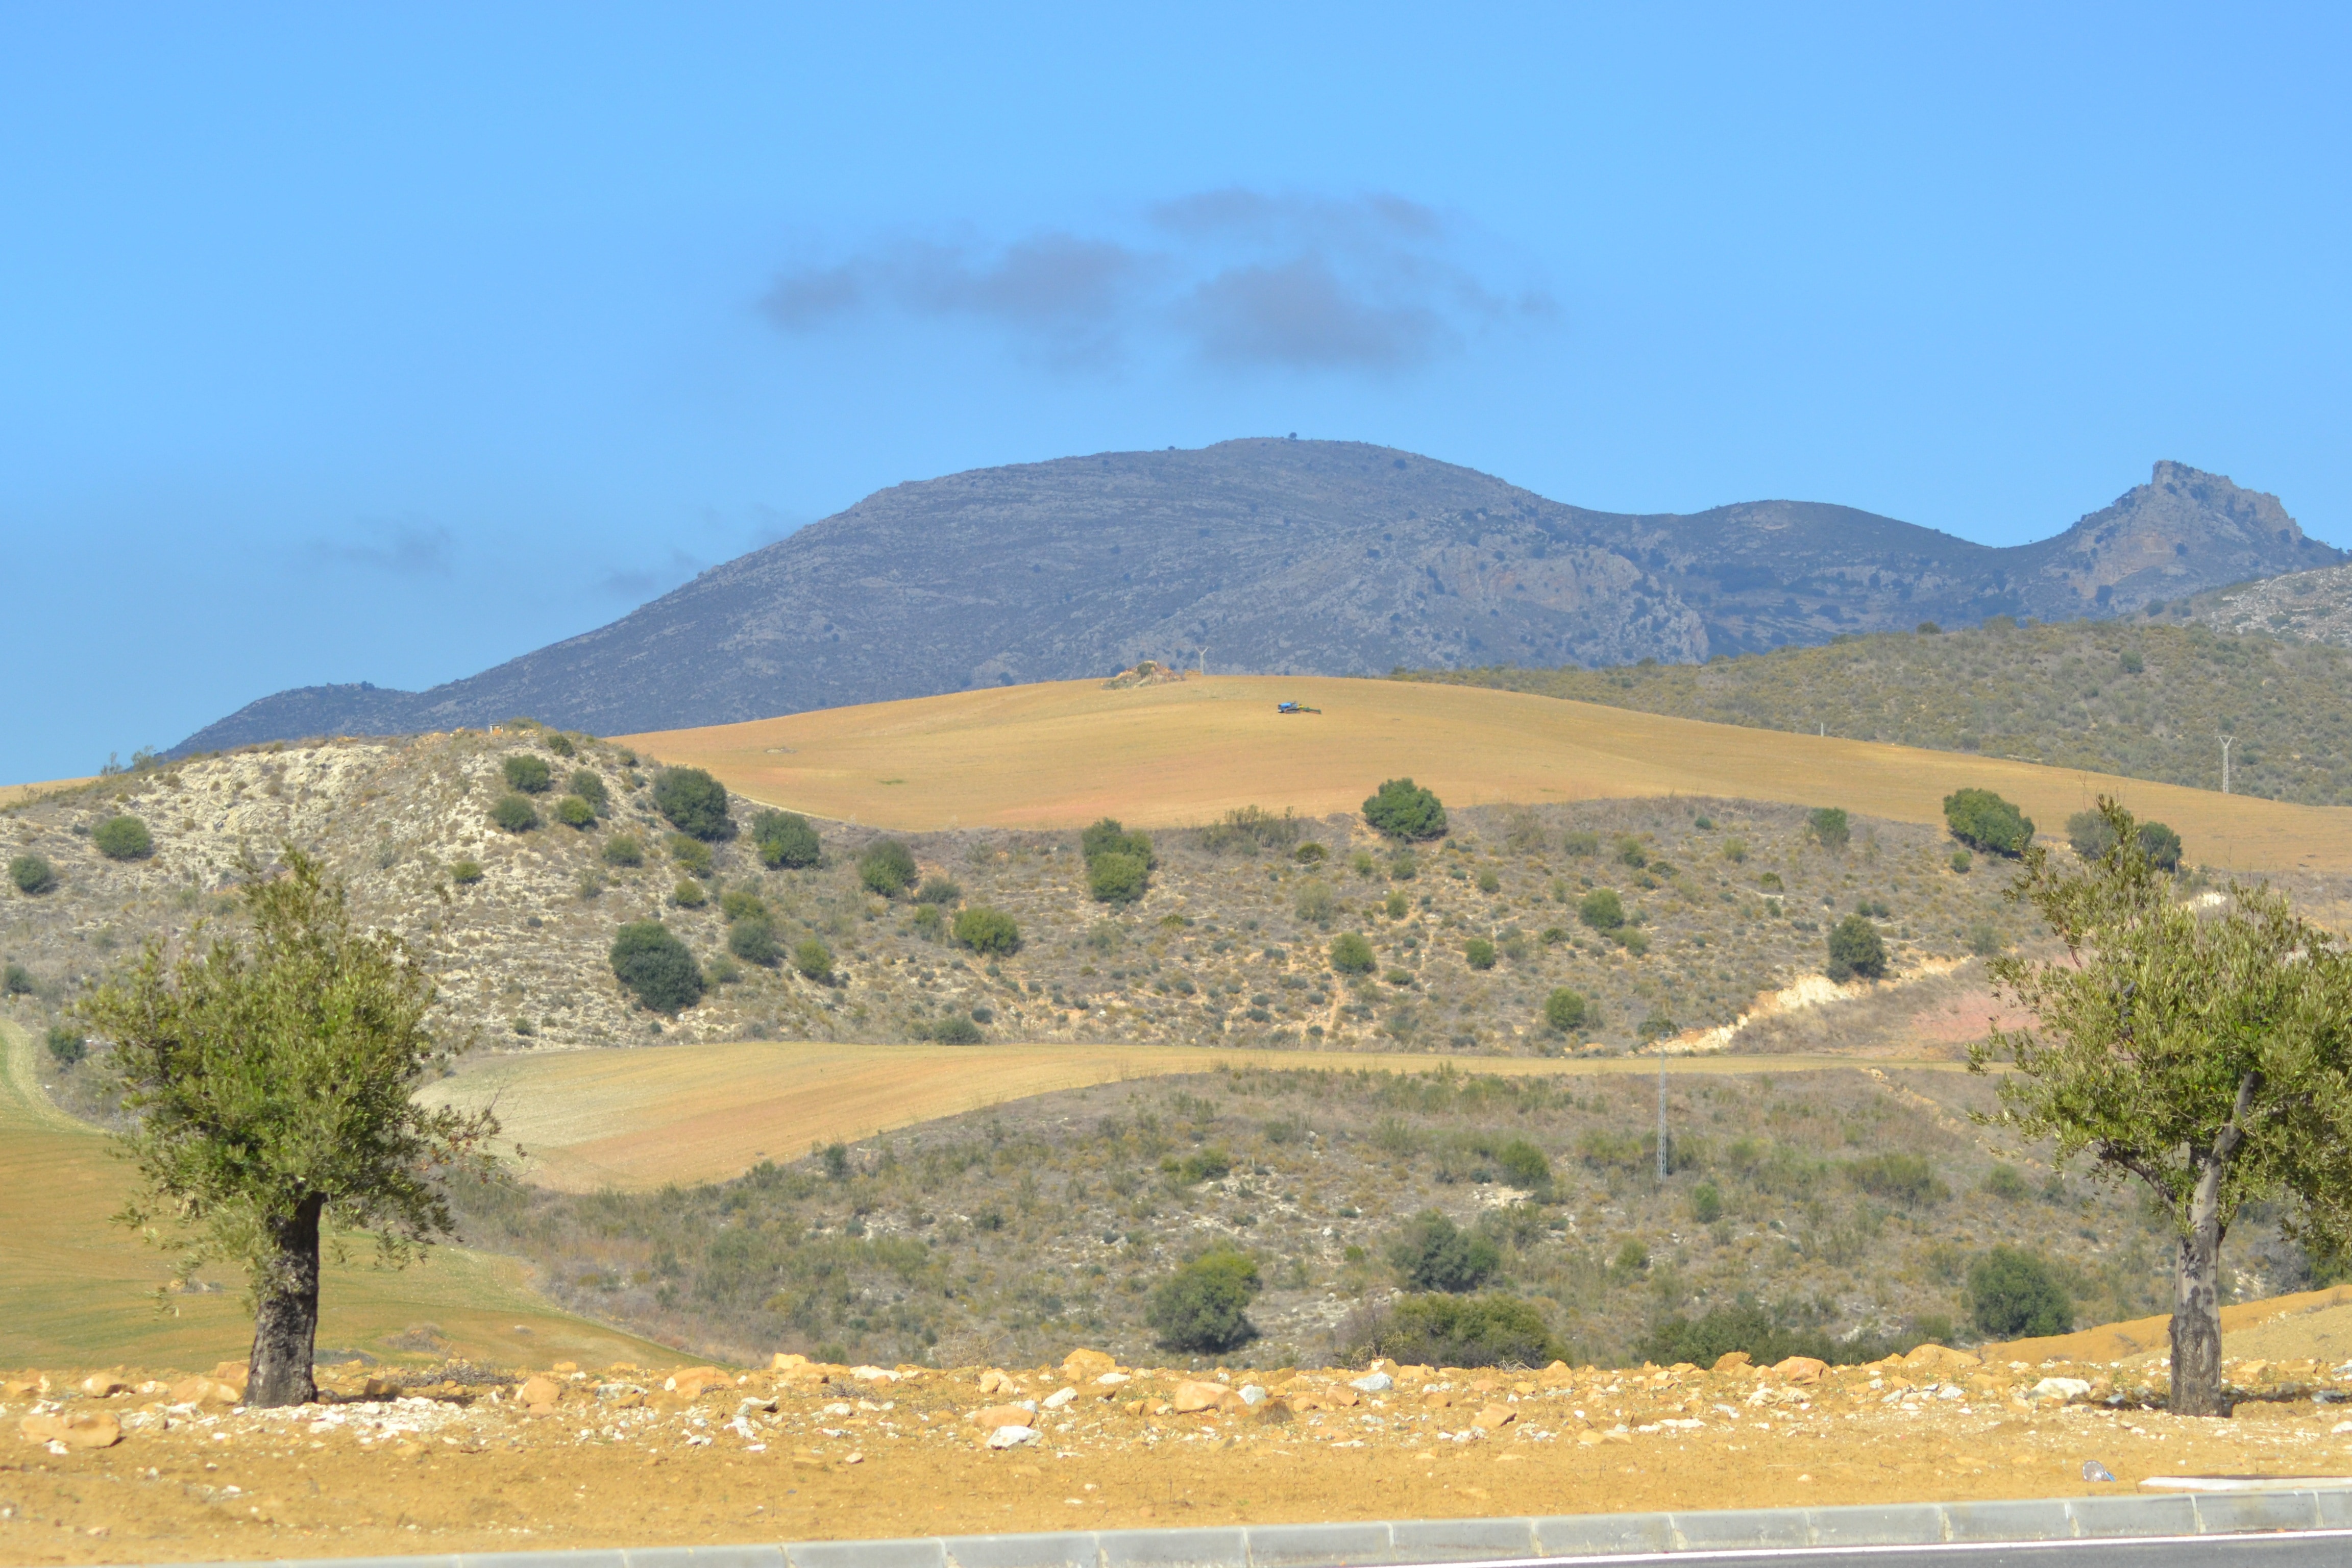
x: 1288, y: 557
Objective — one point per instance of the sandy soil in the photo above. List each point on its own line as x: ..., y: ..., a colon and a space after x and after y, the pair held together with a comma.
x: 828, y: 1453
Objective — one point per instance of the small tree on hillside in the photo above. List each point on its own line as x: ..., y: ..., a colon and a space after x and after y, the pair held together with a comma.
x: 886, y: 867
x: 1402, y: 809
x: 695, y: 803
x: 785, y: 839
x: 270, y: 1091
x: 2212, y: 1058
x: 1982, y: 820
x: 1856, y: 948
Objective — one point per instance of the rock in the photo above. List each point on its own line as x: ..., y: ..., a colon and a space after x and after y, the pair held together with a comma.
x: 2094, y: 1471
x: 1341, y: 1398
x: 539, y: 1393
x: 1191, y: 1396
x: 996, y: 1381
x: 694, y: 1380
x: 1732, y: 1361
x: 1436, y: 1399
x: 103, y: 1385
x: 1373, y: 1383
x: 997, y: 1416
x: 1940, y: 1358
x: 873, y: 1375
x: 1253, y: 1395
x: 1081, y: 1364
x: 1494, y: 1417
x: 2060, y: 1388
x: 1012, y: 1437
x: 565, y: 1368
x: 1277, y: 1409
x: 1588, y: 1437
x: 1800, y: 1368
x: 1111, y: 1380
x: 203, y: 1391
x: 83, y: 1429
x: 786, y: 1361
x: 234, y: 1372
x: 1060, y: 1397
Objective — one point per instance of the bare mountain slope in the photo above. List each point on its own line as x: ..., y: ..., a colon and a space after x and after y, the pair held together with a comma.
x: 1286, y: 557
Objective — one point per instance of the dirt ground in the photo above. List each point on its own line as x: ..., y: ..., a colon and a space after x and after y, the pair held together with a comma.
x: 620, y: 1458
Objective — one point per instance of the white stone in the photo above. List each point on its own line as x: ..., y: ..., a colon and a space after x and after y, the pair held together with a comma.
x: 1012, y: 1437
x: 1374, y: 1383
x: 1060, y: 1397
x: 2061, y: 1388
x: 1111, y: 1380
x: 1252, y: 1395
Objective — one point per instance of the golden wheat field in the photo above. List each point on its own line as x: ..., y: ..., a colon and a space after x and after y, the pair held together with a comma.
x: 1062, y: 754
x: 589, y: 1120
x: 77, y: 1290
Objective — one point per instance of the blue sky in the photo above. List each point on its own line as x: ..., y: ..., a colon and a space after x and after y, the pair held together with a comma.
x: 351, y: 342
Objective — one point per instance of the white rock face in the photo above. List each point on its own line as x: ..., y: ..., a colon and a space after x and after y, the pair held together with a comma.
x: 1373, y: 1383
x: 1012, y: 1437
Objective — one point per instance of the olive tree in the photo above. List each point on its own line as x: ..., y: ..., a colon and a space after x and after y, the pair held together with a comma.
x: 2207, y: 1055
x: 269, y: 1087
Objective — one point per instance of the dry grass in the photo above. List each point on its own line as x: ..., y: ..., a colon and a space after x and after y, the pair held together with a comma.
x: 14, y: 795
x: 77, y: 1289
x: 1061, y: 755
x: 636, y: 1119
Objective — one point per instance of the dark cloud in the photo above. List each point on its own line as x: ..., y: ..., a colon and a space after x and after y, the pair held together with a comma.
x: 401, y: 549
x: 1238, y: 278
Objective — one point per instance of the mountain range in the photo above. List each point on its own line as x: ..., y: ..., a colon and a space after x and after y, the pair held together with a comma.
x: 1288, y: 557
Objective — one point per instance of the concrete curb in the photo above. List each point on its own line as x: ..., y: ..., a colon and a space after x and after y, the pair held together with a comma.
x: 1564, y: 1538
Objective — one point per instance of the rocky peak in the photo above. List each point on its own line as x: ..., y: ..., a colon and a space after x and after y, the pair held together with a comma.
x: 2182, y: 530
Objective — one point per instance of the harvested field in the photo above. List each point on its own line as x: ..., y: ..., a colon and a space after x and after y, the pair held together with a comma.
x: 619, y: 1460
x: 1060, y: 754
x: 74, y: 1286
x: 634, y: 1120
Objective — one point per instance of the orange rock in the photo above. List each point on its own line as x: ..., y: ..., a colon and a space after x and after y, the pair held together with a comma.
x: 232, y: 1371
x: 991, y: 1417
x: 1436, y: 1399
x: 1082, y: 1365
x: 540, y: 1392
x: 84, y: 1429
x: 995, y: 1380
x: 1732, y: 1361
x: 787, y: 1360
x: 694, y: 1380
x: 1340, y: 1398
x: 1800, y: 1368
x: 103, y: 1385
x: 1495, y: 1418
x: 203, y: 1391
x: 1191, y: 1396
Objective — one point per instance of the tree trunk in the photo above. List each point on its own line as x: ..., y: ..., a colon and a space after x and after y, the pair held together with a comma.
x: 286, y: 1325
x: 2196, y: 1302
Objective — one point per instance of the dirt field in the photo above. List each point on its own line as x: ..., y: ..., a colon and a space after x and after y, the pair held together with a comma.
x: 621, y: 1460
x: 1060, y: 754
x: 588, y: 1120
x: 10, y: 794
x: 76, y: 1287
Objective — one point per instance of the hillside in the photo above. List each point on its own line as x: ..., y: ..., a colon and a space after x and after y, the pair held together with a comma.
x: 1273, y: 556
x: 2302, y: 606
x: 2064, y: 695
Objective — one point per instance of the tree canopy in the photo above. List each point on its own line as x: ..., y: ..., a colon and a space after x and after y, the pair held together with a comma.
x: 1982, y: 820
x: 695, y: 803
x: 1402, y: 809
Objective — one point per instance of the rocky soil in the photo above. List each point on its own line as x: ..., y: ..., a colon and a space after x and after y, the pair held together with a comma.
x: 126, y: 1466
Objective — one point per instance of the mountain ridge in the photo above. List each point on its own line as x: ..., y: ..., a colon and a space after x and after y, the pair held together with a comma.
x: 1286, y: 557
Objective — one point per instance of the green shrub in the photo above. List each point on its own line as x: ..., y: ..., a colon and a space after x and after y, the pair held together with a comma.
x: 1524, y: 1166
x: 1401, y: 809
x: 1311, y: 854
x: 2088, y: 835
x: 66, y: 1047
x: 1601, y: 909
x: 1488, y: 882
x: 695, y: 803
x: 1108, y: 837
x: 1208, y: 1163
x: 1582, y: 843
x: 814, y: 960
x: 1906, y: 1179
x: 1766, y: 1337
x: 1317, y: 902
x: 1983, y: 821
x: 955, y: 1030
x: 1735, y: 850
x: 515, y: 814
x: 526, y: 773
x: 886, y: 867
x: 1479, y: 952
x: 1453, y: 1330
x: 1115, y: 879
x: 1563, y: 1010
x: 623, y: 850
x: 1203, y: 1307
x: 2160, y: 845
x: 574, y: 812
x: 1855, y: 949
x: 1828, y: 827
x: 753, y: 938
x: 559, y: 742
x: 15, y: 979
x: 1352, y: 954
x: 722, y: 971
x: 1249, y: 829
x: 1984, y: 939
x: 2003, y: 1183
x: 689, y: 894
x: 589, y: 785
x: 930, y: 924
x: 1961, y: 861
x: 1706, y: 1202
x: 2016, y: 1295
x: 1434, y: 1254
x: 466, y: 873
x: 655, y: 967
x: 983, y: 930
x: 2131, y: 663
x: 785, y: 839
x: 938, y: 891
x: 122, y: 839
x: 688, y: 854
x: 738, y: 903
x: 31, y: 875
x: 1396, y: 906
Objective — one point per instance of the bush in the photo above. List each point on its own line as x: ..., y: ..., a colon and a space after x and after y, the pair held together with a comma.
x: 1453, y: 1331
x: 514, y: 814
x: 1906, y: 1179
x: 785, y: 839
x: 1961, y: 861
x: 1706, y: 1202
x: 2160, y: 845
x: 886, y: 867
x: 1210, y: 1164
x: 1563, y: 1010
x: 1434, y: 1254
x: 753, y: 938
x: 1311, y: 854
x: 65, y: 1047
x: 1479, y: 952
x: 689, y: 894
x: 2088, y: 835
x: 695, y: 803
x: 15, y: 979
x: 938, y: 891
x: 1524, y: 1165
x: 1829, y: 827
x: 1201, y: 1308
x: 1983, y: 821
x: 589, y: 785
x: 1352, y: 954
x: 930, y: 924
x: 574, y: 812
x: 623, y: 850
x: 740, y: 903
x: 466, y: 873
x: 1745, y: 1326
x: 1115, y: 879
x: 526, y: 773
x: 2003, y: 1183
x: 1108, y: 837
x: 123, y: 838
x: 1249, y: 829
x: 953, y: 1030
x: 1601, y: 909
x: 815, y: 960
x: 559, y: 742
x: 1855, y: 949
x: 655, y: 967
x: 1316, y: 901
x: 1401, y: 809
x: 1396, y: 906
x: 987, y: 930
x: 2015, y: 1295
x: 31, y: 875
x: 690, y: 854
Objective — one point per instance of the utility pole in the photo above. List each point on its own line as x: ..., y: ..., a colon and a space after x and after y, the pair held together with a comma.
x: 2225, y: 763
x: 1661, y: 1117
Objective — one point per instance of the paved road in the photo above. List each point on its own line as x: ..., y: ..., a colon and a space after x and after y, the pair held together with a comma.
x: 2308, y: 1549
